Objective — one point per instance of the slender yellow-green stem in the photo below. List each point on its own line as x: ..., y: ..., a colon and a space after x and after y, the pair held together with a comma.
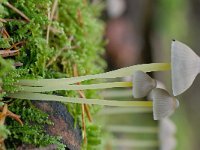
x: 131, y: 129
x: 127, y: 143
x: 76, y: 87
x: 111, y: 74
x: 116, y: 111
x: 117, y: 93
x: 46, y: 97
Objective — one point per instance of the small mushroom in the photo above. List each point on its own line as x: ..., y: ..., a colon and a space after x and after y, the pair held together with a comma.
x: 142, y: 84
x: 185, y: 67
x: 163, y: 103
x: 115, y: 8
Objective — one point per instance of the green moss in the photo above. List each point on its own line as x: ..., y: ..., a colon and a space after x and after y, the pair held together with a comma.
x: 4, y: 132
x: 32, y: 132
x: 94, y: 137
x: 75, y: 37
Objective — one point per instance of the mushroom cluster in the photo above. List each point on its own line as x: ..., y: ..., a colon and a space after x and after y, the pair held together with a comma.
x: 184, y: 62
x: 163, y: 103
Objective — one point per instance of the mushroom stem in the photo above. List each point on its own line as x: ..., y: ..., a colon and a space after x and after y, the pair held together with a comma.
x: 134, y: 143
x: 117, y: 93
x: 46, y: 97
x: 131, y: 129
x: 116, y: 111
x: 111, y: 74
x: 76, y: 87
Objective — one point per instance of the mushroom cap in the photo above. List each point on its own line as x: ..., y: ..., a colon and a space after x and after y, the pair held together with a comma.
x: 142, y: 84
x: 163, y: 103
x: 115, y: 8
x: 185, y: 67
x: 160, y: 85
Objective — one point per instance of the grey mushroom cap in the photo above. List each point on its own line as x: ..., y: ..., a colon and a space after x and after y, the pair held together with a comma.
x: 160, y: 85
x: 163, y: 104
x: 185, y: 67
x: 142, y: 84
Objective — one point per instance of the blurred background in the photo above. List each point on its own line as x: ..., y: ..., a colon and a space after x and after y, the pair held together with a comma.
x: 141, y: 31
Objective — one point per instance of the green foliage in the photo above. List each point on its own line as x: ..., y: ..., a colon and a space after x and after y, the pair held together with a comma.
x: 32, y: 132
x: 5, y: 67
x: 94, y: 137
x: 86, y: 31
x: 4, y: 132
x: 3, y: 11
x: 75, y: 37
x: 5, y: 43
x: 11, y: 77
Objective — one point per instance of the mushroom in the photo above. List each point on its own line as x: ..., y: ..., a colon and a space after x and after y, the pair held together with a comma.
x: 163, y: 103
x: 185, y: 67
x: 143, y: 84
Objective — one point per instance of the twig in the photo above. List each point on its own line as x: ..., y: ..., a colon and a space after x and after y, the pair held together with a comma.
x: 83, y: 123
x: 55, y: 17
x: 54, y: 30
x: 5, y: 112
x: 7, y: 53
x: 2, y: 121
x: 88, y: 112
x: 86, y: 106
x: 79, y: 17
x: 47, y: 37
x: 55, y: 4
x: 82, y: 105
x: 18, y: 64
x: 14, y: 116
x: 2, y: 20
x: 81, y: 93
x: 16, y: 44
x: 50, y: 17
x: 17, y: 11
x: 5, y: 33
x: 8, y: 19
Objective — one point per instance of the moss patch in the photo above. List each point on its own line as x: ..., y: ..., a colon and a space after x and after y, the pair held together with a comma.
x: 49, y: 43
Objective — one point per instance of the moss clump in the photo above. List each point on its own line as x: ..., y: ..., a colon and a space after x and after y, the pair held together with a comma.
x: 32, y: 132
x: 49, y: 42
